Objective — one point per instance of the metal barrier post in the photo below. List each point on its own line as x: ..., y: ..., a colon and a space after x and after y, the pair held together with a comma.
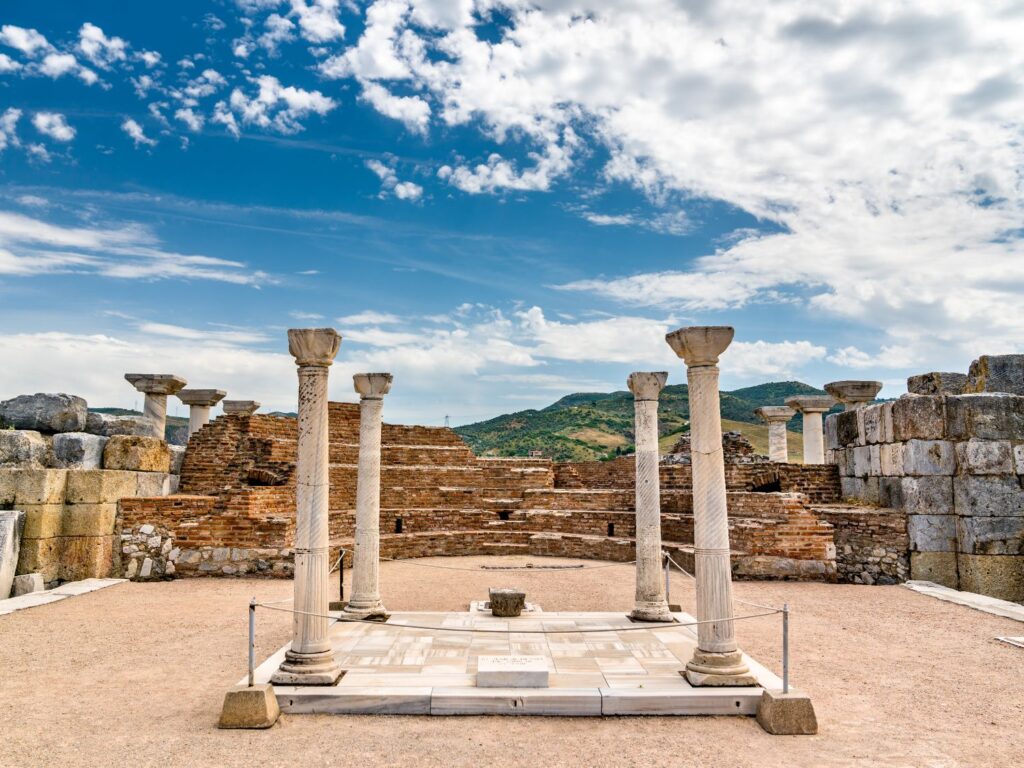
x: 252, y: 641
x: 341, y: 577
x: 667, y: 597
x: 785, y: 647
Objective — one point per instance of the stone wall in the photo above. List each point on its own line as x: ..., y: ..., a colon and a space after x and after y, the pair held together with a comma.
x: 954, y: 464
x: 871, y: 543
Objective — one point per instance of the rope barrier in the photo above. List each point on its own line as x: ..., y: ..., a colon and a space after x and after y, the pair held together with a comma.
x: 510, y: 568
x: 734, y: 599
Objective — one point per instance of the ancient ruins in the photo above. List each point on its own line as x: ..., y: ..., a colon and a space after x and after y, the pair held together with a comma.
x: 926, y: 486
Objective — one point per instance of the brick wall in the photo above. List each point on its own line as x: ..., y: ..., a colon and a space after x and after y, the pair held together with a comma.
x: 871, y: 543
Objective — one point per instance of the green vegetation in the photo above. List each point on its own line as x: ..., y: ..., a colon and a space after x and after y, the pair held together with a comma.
x: 595, y: 425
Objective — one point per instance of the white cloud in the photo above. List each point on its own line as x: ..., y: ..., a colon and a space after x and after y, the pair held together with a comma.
x: 222, y: 115
x: 891, y: 356
x: 369, y: 317
x: 137, y: 135
x: 191, y: 118
x: 100, y: 49
x: 318, y: 20
x: 193, y: 334
x: 278, y: 107
x: 389, y: 183
x: 54, y: 125
x: 277, y: 30
x: 149, y: 58
x: 407, y: 190
x: 7, y: 64
x: 58, y: 64
x: 33, y: 200
x: 28, y: 41
x: 305, y: 316
x: 411, y: 110
x: 500, y: 174
x: 9, y: 128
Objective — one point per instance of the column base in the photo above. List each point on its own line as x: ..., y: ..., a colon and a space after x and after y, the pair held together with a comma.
x: 651, y: 611
x: 308, y: 669
x: 718, y: 669
x: 374, y: 611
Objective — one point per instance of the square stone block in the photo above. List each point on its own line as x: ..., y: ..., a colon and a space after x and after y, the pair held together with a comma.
x: 40, y: 556
x: 512, y: 672
x: 984, y: 457
x: 990, y: 535
x: 8, y: 483
x: 863, y: 490
x: 862, y: 461
x: 1000, y: 576
x: 23, y: 448
x: 988, y: 496
x: 874, y: 461
x: 831, y: 427
x: 39, y: 486
x: 152, y: 484
x: 42, y: 521
x: 890, y: 492
x: 985, y: 416
x: 100, y: 486
x: 927, y: 495
x: 939, y: 567
x: 918, y: 417
x: 87, y: 557
x: 996, y: 373
x: 843, y: 459
x: 848, y: 429
x: 78, y: 450
x: 787, y: 714
x: 874, y: 418
x: 890, y: 456
x: 138, y: 454
x: 89, y: 519
x: 1018, y: 459
x: 929, y: 457
x: 932, y: 533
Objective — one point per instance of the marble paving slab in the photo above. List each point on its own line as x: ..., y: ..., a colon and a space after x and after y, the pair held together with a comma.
x: 984, y: 603
x: 64, y: 591
x: 598, y: 664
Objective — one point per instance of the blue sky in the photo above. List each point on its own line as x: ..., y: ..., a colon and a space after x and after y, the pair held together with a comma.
x: 504, y: 202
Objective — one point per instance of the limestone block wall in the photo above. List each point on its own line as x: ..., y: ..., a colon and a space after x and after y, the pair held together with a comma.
x: 954, y: 464
x: 872, y: 546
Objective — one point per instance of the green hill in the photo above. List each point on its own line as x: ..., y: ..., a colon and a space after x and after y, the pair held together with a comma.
x: 597, y: 425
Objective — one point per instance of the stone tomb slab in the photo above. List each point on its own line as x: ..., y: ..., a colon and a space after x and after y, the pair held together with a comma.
x: 596, y: 664
x: 512, y: 672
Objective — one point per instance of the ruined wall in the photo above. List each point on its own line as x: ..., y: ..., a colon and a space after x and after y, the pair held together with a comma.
x: 871, y: 543
x: 954, y: 465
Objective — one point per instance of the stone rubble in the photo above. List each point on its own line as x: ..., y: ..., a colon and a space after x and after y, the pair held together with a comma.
x: 42, y: 412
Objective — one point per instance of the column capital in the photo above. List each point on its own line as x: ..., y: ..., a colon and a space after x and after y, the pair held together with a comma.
x: 372, y: 386
x: 646, y: 385
x: 207, y: 397
x: 810, y: 403
x: 313, y: 346
x: 240, y: 407
x: 156, y: 383
x: 775, y: 414
x: 700, y: 345
x: 854, y: 394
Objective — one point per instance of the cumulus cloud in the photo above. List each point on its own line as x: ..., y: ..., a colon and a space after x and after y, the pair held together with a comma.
x: 54, y: 125
x: 137, y: 135
x: 100, y: 49
x: 318, y: 20
x: 369, y: 317
x: 411, y: 110
x: 7, y: 64
x: 28, y: 41
x: 276, y: 106
x: 9, y: 128
x: 390, y: 185
x: 191, y: 118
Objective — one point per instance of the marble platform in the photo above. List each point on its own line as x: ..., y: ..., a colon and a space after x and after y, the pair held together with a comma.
x: 64, y: 591
x: 598, y: 664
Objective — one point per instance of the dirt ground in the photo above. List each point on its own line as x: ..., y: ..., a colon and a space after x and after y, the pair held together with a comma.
x: 134, y: 675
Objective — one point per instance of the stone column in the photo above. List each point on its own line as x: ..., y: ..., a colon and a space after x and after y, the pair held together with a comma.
x: 854, y: 394
x: 310, y: 660
x: 240, y: 407
x: 365, y: 600
x: 650, y: 602
x: 717, y: 660
x: 776, y: 417
x: 812, y: 407
x: 156, y: 387
x: 199, y: 402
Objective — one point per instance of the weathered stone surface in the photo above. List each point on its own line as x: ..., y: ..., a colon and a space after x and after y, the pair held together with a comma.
x: 40, y: 555
x: 1018, y: 459
x: 156, y: 383
x: 1000, y: 576
x: 939, y: 567
x: 87, y: 557
x: 929, y: 457
x: 984, y: 457
x: 32, y: 486
x: 853, y: 394
x: 23, y: 448
x: 937, y: 383
x: 891, y: 459
x: 245, y: 707
x: 88, y: 520
x: 512, y: 672
x: 932, y: 533
x: 45, y: 412
x: 847, y: 428
x: 177, y: 458
x: 12, y: 523
x: 927, y: 495
x: 918, y: 417
x: 832, y: 433
x: 787, y: 714
x: 988, y: 496
x: 507, y: 602
x: 877, y: 421
x: 26, y: 583
x: 107, y: 426
x: 985, y: 416
x: 860, y: 490
x: 42, y: 521
x: 78, y: 450
x: 153, y: 484
x: 997, y: 373
x: 100, y: 486
x: 991, y: 535
x: 140, y: 454
x: 240, y: 407
x: 862, y: 460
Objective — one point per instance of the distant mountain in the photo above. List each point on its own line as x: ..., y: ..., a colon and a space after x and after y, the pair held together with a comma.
x: 599, y: 425
x: 176, y: 431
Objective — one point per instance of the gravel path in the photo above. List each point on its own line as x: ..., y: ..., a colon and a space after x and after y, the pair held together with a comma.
x: 134, y: 675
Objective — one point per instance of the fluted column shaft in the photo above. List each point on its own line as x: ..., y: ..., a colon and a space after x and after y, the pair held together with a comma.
x: 778, y: 445
x: 154, y: 410
x: 366, y: 561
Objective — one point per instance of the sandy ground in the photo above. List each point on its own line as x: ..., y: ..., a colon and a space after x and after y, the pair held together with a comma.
x: 134, y: 675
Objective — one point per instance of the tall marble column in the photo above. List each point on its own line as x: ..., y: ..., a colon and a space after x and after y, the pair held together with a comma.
x: 650, y: 602
x: 812, y: 407
x: 854, y: 394
x: 156, y: 387
x: 776, y: 417
x: 717, y: 659
x: 199, y: 402
x: 240, y: 407
x: 310, y: 660
x: 365, y: 600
